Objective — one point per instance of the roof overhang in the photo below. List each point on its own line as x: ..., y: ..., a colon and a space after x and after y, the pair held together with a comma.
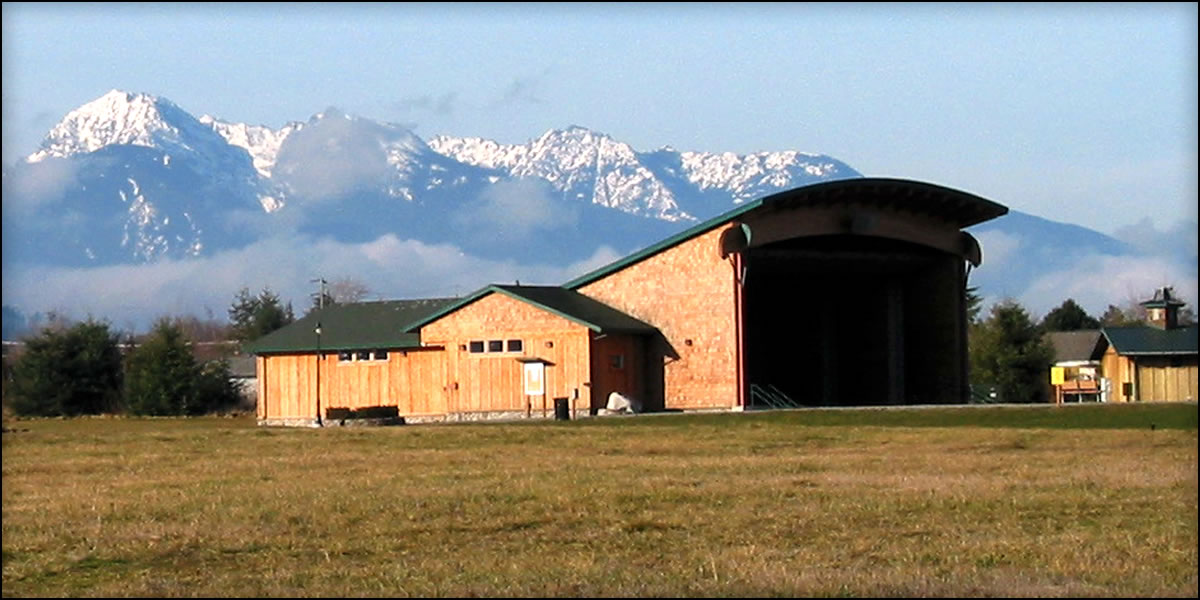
x: 852, y: 205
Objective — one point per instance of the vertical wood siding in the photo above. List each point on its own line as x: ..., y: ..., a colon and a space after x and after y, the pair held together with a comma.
x: 288, y: 386
x: 495, y: 382
x: 411, y: 380
x: 1154, y: 379
x: 1164, y: 380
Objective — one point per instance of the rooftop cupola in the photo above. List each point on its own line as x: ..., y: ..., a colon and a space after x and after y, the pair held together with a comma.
x: 1162, y: 311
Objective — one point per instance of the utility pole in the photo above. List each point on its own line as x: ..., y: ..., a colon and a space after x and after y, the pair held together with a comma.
x: 320, y: 359
x: 321, y: 296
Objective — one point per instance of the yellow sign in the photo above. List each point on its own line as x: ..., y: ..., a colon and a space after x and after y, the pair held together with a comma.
x: 1058, y: 375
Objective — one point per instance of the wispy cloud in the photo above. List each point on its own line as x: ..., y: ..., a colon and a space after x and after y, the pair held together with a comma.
x: 442, y: 105
x: 523, y: 90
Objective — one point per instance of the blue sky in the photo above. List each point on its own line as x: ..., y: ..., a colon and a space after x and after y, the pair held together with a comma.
x: 1078, y: 113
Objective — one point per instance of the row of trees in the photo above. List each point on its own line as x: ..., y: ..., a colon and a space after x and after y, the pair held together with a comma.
x: 82, y: 368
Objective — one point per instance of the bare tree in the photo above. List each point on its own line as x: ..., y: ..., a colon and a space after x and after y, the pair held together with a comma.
x: 346, y: 290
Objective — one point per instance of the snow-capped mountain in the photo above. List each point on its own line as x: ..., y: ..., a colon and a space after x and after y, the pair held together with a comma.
x: 133, y: 178
x: 137, y: 178
x: 126, y: 119
x: 579, y: 164
x: 260, y: 142
x: 664, y: 184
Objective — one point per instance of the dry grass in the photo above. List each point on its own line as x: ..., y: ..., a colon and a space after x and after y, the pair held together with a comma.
x: 735, y: 506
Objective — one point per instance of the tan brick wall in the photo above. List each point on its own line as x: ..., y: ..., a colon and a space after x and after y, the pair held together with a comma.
x: 494, y: 382
x: 687, y: 292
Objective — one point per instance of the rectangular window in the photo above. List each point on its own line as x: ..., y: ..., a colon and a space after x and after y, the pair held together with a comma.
x: 617, y: 361
x: 345, y: 356
x: 515, y: 346
x: 381, y: 355
x: 363, y: 355
x: 495, y: 345
x: 476, y: 347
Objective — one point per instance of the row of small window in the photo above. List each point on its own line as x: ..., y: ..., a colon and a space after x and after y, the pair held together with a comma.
x: 362, y: 355
x: 495, y: 346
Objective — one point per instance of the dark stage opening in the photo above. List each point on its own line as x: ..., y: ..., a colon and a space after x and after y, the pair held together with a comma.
x: 844, y: 320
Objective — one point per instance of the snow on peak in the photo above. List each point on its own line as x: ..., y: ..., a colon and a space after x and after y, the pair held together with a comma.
x: 123, y: 118
x: 748, y: 176
x: 579, y: 163
x: 262, y: 143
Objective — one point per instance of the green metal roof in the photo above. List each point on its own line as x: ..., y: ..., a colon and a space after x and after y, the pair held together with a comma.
x: 568, y: 304
x: 1146, y: 340
x: 357, y: 326
x: 956, y: 207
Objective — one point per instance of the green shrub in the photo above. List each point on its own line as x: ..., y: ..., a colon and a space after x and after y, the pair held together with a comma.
x: 67, y: 372
x: 163, y: 377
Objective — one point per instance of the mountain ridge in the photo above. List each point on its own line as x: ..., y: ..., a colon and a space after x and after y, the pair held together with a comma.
x: 131, y: 179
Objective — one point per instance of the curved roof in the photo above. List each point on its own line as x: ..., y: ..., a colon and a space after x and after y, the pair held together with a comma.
x: 956, y: 207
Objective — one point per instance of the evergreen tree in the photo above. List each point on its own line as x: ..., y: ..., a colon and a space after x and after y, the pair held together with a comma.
x: 1115, y: 316
x: 974, y: 304
x: 1008, y: 351
x: 1069, y: 316
x: 163, y: 377
x: 68, y: 371
x: 255, y: 316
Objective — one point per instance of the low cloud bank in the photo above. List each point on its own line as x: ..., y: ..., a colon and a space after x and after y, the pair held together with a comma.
x: 132, y: 296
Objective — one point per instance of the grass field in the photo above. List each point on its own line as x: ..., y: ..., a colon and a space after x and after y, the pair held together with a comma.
x: 995, y: 501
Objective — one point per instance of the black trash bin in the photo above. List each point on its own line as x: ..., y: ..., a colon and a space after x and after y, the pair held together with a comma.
x: 562, y: 410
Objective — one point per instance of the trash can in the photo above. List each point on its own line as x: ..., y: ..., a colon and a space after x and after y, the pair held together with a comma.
x: 562, y: 410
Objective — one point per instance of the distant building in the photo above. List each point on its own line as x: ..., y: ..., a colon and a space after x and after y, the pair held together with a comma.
x: 1155, y: 362
x: 842, y: 293
x: 1077, y: 357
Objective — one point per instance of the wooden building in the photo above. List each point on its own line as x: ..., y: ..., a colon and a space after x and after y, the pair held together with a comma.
x: 849, y: 292
x: 1155, y: 362
x: 1076, y: 374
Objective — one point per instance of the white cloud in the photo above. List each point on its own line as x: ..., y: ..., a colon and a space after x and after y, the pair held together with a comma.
x: 40, y: 183
x: 513, y: 209
x: 131, y: 296
x: 997, y: 246
x: 333, y: 157
x: 1095, y: 281
x: 1177, y: 240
